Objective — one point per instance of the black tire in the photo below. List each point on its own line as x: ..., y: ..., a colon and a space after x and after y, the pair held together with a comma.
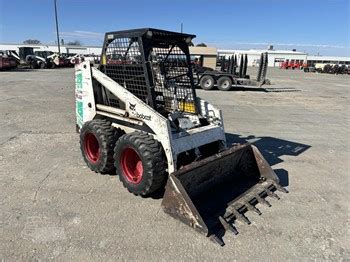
x: 207, y: 82
x: 42, y: 65
x: 140, y: 163
x: 97, y: 141
x: 224, y: 83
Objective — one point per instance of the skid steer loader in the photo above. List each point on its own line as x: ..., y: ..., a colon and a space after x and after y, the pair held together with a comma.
x: 139, y: 116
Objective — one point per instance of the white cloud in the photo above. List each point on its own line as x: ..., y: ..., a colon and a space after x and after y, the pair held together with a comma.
x: 298, y: 44
x: 227, y: 43
x: 82, y: 34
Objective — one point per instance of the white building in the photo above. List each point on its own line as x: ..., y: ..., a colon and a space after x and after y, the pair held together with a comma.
x: 311, y: 59
x: 71, y: 49
x: 209, y: 54
x: 278, y: 56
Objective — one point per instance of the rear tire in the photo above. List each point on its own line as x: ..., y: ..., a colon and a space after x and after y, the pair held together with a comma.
x: 140, y: 163
x: 97, y: 140
x: 207, y: 82
x: 224, y: 83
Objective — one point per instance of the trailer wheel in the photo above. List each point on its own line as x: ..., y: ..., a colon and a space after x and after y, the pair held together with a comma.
x: 140, y: 163
x: 224, y: 83
x: 42, y: 65
x: 97, y: 140
x: 207, y: 82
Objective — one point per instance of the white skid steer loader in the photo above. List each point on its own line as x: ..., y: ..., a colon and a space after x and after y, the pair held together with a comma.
x: 138, y: 115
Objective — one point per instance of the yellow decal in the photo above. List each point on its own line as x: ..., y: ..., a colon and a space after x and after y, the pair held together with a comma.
x: 187, y: 107
x: 104, y: 59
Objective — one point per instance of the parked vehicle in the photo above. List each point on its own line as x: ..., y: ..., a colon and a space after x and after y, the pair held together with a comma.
x: 292, y: 64
x: 336, y: 69
x: 232, y: 75
x: 144, y: 121
x: 28, y: 58
x: 8, y: 60
x: 52, y: 59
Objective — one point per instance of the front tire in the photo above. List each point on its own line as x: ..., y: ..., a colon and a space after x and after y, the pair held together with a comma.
x: 97, y: 140
x: 140, y: 163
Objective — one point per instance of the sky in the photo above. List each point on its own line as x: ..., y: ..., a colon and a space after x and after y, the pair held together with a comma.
x: 314, y: 26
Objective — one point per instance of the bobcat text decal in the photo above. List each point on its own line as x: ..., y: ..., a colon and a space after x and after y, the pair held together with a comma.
x: 137, y: 114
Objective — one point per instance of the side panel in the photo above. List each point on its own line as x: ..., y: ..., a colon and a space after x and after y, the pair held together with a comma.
x: 84, y: 94
x: 137, y: 109
x: 172, y: 144
x: 197, y: 137
x: 210, y: 112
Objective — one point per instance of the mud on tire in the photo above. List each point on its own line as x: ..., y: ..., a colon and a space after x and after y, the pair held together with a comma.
x: 140, y: 163
x: 97, y: 140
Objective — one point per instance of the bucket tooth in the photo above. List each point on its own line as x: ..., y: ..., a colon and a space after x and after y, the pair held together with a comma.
x: 251, y: 207
x: 241, y: 217
x: 272, y: 194
x: 227, y: 225
x: 263, y: 201
x: 280, y: 188
x: 217, y: 240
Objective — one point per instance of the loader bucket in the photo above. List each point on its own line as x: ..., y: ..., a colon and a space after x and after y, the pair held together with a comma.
x: 210, y: 194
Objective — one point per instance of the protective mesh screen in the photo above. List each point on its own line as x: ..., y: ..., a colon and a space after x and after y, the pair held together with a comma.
x: 124, y: 65
x: 169, y: 72
x: 171, y: 77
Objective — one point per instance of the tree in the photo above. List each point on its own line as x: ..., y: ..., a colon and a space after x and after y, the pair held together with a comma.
x: 76, y: 42
x: 202, y: 44
x: 32, y: 42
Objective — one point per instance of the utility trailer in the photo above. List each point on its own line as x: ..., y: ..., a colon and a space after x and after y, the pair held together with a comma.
x: 139, y: 117
x: 228, y: 77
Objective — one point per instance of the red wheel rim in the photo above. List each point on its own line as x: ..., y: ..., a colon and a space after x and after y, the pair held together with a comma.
x: 131, y: 165
x: 92, y: 148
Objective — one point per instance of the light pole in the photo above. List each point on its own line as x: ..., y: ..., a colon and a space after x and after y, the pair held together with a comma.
x: 58, y: 36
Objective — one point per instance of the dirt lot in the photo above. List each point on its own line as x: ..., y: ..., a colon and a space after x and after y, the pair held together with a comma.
x: 53, y: 207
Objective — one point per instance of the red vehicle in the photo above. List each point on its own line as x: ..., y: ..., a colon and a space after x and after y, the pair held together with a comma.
x: 284, y: 64
x: 291, y: 64
x: 296, y: 65
x: 7, y: 61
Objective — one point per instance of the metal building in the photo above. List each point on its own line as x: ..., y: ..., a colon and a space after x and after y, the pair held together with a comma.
x: 207, y: 55
x: 278, y: 56
x: 70, y: 49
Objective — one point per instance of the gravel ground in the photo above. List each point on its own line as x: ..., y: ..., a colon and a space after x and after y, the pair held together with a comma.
x: 53, y: 207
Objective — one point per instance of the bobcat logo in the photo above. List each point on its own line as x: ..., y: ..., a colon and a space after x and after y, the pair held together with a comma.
x: 132, y: 106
